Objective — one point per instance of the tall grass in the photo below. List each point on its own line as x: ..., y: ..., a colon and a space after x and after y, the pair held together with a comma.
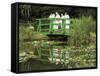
x: 81, y: 31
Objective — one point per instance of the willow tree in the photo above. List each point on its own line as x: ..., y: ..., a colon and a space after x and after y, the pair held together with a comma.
x: 25, y: 12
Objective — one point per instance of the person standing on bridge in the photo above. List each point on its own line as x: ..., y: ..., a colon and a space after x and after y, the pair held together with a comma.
x: 58, y: 20
x: 67, y: 20
x: 53, y: 21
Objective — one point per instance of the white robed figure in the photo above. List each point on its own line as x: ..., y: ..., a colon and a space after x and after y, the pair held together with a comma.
x: 67, y: 17
x: 53, y: 16
x: 57, y: 21
x: 67, y: 20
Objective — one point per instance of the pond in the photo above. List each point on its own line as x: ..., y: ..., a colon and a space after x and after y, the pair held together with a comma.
x: 49, y: 55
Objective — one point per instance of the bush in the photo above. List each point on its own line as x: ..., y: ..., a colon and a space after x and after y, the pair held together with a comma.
x: 81, y: 29
x: 27, y: 36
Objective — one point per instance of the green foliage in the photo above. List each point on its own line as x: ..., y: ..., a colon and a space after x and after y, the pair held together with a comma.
x: 31, y: 12
x: 82, y: 41
x: 27, y: 34
x: 82, y: 57
x: 81, y: 29
x: 25, y: 12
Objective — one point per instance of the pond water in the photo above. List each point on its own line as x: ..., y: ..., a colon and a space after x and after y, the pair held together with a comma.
x: 35, y: 65
x: 50, y: 55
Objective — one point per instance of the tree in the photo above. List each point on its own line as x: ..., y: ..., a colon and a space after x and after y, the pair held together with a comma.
x: 25, y: 11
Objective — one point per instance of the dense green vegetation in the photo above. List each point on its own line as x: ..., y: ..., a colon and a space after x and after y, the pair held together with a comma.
x: 83, y: 31
x: 28, y: 13
x: 81, y: 44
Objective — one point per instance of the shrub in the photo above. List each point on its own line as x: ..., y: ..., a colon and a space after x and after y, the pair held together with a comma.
x: 81, y: 29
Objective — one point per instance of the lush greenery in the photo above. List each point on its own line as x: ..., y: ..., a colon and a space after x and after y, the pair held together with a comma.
x: 81, y: 44
x: 83, y: 31
x: 29, y: 13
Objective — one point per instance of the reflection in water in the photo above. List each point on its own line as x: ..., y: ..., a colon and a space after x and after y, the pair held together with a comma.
x: 59, y: 55
x: 49, y: 55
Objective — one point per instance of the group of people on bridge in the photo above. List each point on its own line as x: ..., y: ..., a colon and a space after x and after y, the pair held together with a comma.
x: 58, y: 20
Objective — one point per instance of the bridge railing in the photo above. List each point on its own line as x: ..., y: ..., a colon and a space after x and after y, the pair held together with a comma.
x: 53, y: 25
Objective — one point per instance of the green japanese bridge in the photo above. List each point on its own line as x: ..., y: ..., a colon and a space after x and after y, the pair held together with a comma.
x: 55, y: 26
x: 52, y: 51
